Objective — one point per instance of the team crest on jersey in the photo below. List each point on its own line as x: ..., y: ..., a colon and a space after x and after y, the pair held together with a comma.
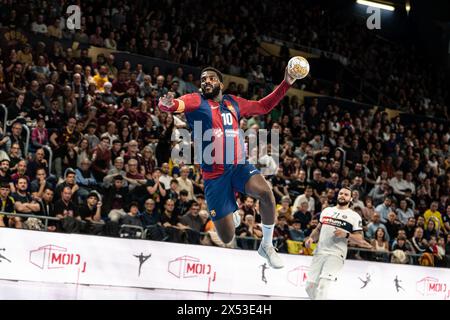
x: 213, y: 213
x: 230, y: 107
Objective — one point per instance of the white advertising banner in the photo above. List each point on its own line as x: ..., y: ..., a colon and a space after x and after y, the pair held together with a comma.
x: 83, y: 259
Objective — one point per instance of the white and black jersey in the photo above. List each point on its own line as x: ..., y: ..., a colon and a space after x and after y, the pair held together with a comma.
x: 332, y: 218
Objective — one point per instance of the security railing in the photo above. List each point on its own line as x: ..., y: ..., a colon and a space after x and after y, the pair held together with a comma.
x: 251, y: 243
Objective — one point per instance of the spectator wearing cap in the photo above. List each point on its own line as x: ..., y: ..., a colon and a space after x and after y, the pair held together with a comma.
x: 90, y: 212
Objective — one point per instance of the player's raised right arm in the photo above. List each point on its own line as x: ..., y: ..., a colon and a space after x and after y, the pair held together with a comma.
x: 186, y: 103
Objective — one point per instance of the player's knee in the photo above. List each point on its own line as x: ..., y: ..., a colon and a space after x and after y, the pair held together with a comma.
x: 226, y: 238
x: 265, y: 195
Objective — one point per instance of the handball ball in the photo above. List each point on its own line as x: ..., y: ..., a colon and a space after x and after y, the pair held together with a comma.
x: 298, y: 67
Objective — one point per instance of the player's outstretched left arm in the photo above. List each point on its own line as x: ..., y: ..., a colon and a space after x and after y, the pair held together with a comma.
x: 263, y: 106
x: 187, y: 103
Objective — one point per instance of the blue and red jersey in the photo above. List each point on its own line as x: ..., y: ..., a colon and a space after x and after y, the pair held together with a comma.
x: 222, y: 120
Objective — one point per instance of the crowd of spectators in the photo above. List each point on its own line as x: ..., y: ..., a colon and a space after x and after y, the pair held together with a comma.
x: 194, y: 32
x: 112, y: 174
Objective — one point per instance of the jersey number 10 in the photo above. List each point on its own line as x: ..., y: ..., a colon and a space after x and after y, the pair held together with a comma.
x: 227, y: 119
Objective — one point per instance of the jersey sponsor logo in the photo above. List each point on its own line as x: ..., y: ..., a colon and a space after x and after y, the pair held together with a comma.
x: 338, y: 223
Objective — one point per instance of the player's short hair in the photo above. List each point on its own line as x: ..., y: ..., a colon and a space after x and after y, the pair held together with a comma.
x: 219, y: 74
x: 348, y: 188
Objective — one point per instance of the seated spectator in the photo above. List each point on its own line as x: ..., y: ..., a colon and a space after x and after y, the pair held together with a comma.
x: 374, y: 225
x: 281, y: 233
x: 418, y: 242
x: 131, y: 218
x: 303, y: 215
x: 192, y: 222
x: 307, y: 196
x: 150, y: 216
x: 392, y: 225
x: 8, y: 206
x: 402, y: 244
x: 115, y: 199
x: 172, y: 193
x: 431, y: 230
x: 101, y: 158
x: 380, y: 245
x: 66, y: 211
x: 296, y: 232
x: 384, y: 209
x: 404, y: 212
x: 432, y: 212
x: 23, y: 202
x: 90, y: 213
x: 85, y: 179
x: 38, y: 186
x: 285, y: 208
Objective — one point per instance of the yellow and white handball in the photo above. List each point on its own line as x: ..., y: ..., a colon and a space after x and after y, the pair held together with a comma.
x: 298, y: 67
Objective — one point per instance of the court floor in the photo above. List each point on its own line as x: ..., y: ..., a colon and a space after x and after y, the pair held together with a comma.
x: 27, y: 290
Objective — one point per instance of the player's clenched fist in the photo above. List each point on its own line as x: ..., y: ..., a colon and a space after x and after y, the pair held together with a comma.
x: 167, y: 99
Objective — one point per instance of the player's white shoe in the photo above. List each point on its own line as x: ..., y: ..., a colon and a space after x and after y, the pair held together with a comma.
x: 270, y: 253
x: 236, y: 219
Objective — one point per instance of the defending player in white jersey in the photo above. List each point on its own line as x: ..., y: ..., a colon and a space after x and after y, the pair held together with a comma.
x: 337, y: 226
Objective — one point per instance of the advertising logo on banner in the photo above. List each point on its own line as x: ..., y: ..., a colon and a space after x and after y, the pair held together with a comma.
x: 189, y: 267
x: 298, y: 276
x: 142, y: 260
x: 55, y: 257
x: 429, y: 286
x: 365, y: 281
x: 2, y: 257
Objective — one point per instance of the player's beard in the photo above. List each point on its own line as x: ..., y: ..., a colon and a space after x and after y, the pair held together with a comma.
x: 214, y: 92
x: 343, y: 203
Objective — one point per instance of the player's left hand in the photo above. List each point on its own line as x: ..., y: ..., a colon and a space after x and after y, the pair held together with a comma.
x: 340, y: 233
x: 288, y: 78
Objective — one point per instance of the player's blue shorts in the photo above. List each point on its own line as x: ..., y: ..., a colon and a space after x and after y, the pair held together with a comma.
x: 220, y: 192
